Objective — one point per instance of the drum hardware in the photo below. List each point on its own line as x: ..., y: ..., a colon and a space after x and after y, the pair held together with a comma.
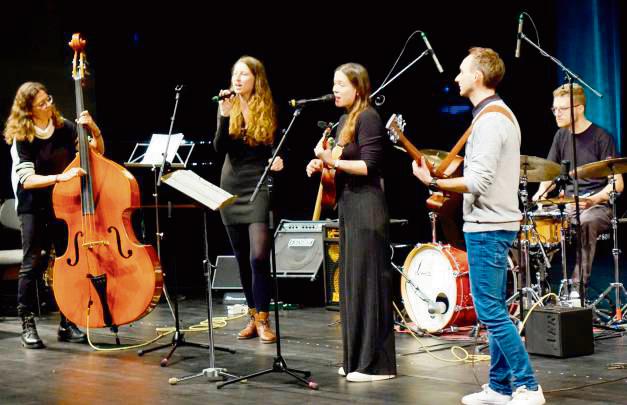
x: 617, y: 286
x: 528, y: 293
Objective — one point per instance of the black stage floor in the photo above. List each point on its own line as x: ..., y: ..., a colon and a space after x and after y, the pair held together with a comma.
x: 72, y: 373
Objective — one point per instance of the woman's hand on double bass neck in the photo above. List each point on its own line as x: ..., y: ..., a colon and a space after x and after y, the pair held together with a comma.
x: 314, y: 166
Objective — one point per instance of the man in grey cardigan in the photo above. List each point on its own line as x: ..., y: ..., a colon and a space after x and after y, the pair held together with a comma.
x: 491, y: 221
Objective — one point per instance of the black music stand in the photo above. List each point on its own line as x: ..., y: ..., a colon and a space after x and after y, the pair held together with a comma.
x: 211, y: 197
x: 278, y: 365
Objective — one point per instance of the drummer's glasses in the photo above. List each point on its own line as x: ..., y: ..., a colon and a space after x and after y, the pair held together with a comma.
x: 556, y: 110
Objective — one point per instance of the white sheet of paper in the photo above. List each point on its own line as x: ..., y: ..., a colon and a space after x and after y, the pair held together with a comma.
x: 154, y: 153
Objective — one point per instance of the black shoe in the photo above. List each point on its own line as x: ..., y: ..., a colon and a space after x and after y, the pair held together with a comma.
x: 69, y: 332
x: 30, y: 337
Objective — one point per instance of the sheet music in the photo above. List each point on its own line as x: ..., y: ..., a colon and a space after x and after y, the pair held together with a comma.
x: 194, y: 186
x: 154, y: 153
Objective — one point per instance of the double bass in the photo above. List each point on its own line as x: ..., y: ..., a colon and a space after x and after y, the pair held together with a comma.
x: 105, y: 271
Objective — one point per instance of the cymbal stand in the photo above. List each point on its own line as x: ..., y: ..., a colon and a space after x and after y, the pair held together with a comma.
x: 565, y: 284
x: 617, y: 286
x: 527, y: 293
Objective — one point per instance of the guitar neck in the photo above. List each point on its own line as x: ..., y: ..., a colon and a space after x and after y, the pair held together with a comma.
x: 413, y: 151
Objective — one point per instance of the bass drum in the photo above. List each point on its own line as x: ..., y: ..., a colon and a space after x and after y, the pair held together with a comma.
x: 436, y: 287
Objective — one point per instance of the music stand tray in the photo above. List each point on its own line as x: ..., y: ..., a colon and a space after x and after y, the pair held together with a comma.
x: 151, y: 154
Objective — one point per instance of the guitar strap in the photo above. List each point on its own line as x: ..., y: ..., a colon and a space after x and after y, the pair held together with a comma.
x: 464, y: 138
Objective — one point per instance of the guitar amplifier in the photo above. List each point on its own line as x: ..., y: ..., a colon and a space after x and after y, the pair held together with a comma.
x: 331, y: 265
x: 298, y: 249
x: 560, y: 331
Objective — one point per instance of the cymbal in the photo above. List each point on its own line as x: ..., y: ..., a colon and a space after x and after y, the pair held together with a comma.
x: 537, y: 169
x: 558, y: 201
x: 603, y: 168
x: 434, y: 156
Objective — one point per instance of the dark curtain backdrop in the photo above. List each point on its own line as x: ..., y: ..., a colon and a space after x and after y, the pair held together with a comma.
x: 589, y: 43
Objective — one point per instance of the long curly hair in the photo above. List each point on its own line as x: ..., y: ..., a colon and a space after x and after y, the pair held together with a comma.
x: 263, y: 118
x: 358, y: 77
x: 20, y: 125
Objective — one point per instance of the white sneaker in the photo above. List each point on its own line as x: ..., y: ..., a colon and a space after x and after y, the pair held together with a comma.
x: 488, y: 397
x: 522, y: 396
x: 341, y: 371
x: 361, y: 377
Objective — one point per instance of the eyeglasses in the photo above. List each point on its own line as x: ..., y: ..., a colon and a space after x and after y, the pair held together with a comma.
x: 556, y: 110
x: 45, y: 104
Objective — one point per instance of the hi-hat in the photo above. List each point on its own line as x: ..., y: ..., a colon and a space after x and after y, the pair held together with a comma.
x: 603, y: 168
x: 537, y: 169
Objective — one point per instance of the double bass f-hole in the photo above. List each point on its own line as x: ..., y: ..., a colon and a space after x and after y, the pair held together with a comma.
x: 69, y: 260
x: 119, y: 242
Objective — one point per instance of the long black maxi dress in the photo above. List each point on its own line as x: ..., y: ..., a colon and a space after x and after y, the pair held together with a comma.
x: 365, y: 270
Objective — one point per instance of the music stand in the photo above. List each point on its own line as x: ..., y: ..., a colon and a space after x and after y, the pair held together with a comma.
x: 144, y: 156
x: 214, y: 198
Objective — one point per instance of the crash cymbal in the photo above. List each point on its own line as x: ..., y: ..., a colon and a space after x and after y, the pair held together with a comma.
x: 537, y: 169
x: 434, y: 156
x: 557, y: 201
x: 603, y: 168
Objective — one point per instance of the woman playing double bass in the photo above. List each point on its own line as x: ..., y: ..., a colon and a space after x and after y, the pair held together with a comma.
x: 43, y: 144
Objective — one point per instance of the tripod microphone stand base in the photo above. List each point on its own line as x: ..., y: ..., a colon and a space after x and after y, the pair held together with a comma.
x: 178, y: 340
x: 278, y: 366
x: 212, y: 374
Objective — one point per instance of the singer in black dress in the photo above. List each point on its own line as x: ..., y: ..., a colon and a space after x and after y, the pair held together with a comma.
x: 245, y: 134
x: 365, y: 277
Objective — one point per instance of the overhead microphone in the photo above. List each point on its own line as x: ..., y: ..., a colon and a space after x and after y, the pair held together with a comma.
x: 304, y: 102
x: 435, y: 58
x: 216, y: 99
x: 520, y: 26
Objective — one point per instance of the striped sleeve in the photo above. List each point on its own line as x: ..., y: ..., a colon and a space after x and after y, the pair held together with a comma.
x: 24, y: 167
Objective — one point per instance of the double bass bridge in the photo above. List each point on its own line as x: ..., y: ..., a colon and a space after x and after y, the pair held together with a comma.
x: 91, y: 245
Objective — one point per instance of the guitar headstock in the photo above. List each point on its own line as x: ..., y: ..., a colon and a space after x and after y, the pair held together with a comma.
x: 395, y: 127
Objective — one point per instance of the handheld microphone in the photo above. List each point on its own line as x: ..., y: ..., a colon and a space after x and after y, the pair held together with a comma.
x: 304, y: 102
x: 520, y: 26
x: 216, y: 99
x: 435, y: 58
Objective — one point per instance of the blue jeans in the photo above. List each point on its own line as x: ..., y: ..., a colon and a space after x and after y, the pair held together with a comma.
x: 487, y: 261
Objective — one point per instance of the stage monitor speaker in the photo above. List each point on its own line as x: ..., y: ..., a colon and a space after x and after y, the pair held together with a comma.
x: 226, y: 274
x: 331, y: 265
x: 560, y: 331
x: 298, y: 249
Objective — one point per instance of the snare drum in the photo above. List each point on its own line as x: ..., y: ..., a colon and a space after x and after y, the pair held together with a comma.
x: 547, y: 225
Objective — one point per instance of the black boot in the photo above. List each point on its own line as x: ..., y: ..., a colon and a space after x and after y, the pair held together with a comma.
x: 69, y: 332
x: 30, y: 337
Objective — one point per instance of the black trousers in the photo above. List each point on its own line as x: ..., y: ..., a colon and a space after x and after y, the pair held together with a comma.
x: 39, y: 233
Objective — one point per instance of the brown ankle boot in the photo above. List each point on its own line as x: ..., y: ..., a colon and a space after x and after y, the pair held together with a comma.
x: 250, y: 331
x: 262, y: 322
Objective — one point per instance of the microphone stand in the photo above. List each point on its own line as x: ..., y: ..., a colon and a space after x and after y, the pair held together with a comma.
x: 278, y: 365
x: 385, y: 84
x: 569, y: 76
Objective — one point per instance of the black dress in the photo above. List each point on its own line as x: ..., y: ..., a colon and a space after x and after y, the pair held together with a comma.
x: 242, y: 168
x: 365, y: 271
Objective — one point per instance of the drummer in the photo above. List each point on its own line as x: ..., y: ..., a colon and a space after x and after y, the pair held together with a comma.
x: 592, y: 144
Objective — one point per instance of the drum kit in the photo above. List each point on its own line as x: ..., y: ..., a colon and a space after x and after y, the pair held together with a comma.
x: 435, y: 284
